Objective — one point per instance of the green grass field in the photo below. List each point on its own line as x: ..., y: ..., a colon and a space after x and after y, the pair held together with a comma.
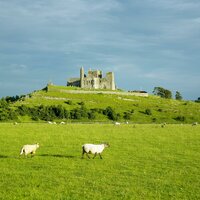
x: 143, y: 162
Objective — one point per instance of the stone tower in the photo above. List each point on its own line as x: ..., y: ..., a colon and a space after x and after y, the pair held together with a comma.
x: 111, y: 80
x: 82, y: 77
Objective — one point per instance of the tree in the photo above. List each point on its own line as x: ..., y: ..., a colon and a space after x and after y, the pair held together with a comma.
x: 168, y: 94
x: 148, y: 111
x: 4, y: 104
x: 91, y: 115
x: 110, y: 112
x: 162, y: 92
x: 178, y: 96
x: 127, y: 115
x: 198, y: 100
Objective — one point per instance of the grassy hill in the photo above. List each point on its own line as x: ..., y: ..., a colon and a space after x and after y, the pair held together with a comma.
x: 151, y: 109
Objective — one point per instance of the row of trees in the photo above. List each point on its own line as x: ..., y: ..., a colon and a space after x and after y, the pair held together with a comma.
x: 49, y: 113
x: 13, y: 99
x: 57, y: 112
x: 164, y: 93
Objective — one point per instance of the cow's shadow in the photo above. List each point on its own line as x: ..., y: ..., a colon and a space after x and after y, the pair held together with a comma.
x: 57, y: 156
x: 3, y: 156
x: 6, y: 157
x: 42, y: 155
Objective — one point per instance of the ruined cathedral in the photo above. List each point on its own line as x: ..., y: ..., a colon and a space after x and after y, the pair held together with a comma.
x: 93, y: 80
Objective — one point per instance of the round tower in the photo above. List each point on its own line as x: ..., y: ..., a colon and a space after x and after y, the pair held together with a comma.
x: 81, y: 77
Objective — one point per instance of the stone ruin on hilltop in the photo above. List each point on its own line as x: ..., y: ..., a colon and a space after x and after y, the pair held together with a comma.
x: 93, y: 80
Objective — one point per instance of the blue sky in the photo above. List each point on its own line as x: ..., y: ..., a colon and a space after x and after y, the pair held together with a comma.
x: 146, y: 43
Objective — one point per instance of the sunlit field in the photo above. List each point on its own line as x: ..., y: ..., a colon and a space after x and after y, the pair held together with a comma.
x: 142, y: 162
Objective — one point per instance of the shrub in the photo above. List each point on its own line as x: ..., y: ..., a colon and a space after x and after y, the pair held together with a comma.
x: 180, y: 118
x: 148, y: 111
x: 4, y: 104
x: 110, y: 112
x: 91, y: 115
x: 77, y: 114
x: 127, y: 115
x: 8, y: 114
x: 23, y: 110
x: 69, y: 102
x: 81, y: 103
x: 35, y: 118
x: 154, y: 119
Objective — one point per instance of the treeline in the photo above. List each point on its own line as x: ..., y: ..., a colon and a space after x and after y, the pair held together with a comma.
x: 12, y: 99
x: 57, y: 112
x: 6, y: 112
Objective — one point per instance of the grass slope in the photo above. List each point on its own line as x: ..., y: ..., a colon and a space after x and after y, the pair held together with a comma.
x: 163, y: 110
x: 143, y: 162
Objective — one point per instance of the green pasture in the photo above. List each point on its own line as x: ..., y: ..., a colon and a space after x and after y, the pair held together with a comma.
x: 143, y: 162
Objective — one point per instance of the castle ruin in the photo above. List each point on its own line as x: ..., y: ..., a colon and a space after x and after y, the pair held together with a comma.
x: 93, y: 80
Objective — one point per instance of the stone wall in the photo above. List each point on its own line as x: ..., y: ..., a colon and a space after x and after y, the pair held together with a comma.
x: 106, y: 92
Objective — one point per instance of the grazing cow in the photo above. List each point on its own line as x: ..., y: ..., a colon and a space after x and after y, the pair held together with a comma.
x: 117, y: 123
x: 29, y: 149
x: 94, y: 149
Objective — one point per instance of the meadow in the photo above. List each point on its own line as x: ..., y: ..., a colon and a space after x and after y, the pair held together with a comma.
x: 143, y: 162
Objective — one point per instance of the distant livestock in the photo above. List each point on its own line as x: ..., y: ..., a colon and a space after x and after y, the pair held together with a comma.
x: 62, y: 122
x: 117, y: 123
x: 49, y: 122
x: 163, y: 124
x: 194, y: 123
x: 94, y: 149
x: 29, y: 149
